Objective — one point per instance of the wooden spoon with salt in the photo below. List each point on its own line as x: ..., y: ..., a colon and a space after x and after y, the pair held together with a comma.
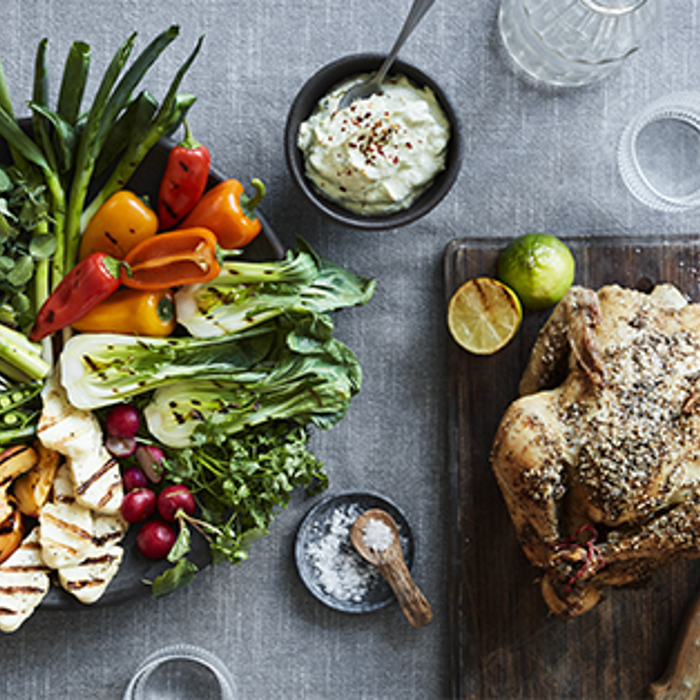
x: 375, y: 536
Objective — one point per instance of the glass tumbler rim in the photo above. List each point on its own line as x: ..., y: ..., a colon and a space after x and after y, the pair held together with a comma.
x: 603, y: 7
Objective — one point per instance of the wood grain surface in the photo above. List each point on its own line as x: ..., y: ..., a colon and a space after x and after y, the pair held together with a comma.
x: 504, y: 643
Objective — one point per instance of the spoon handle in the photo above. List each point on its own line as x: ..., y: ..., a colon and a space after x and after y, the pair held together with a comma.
x: 413, y: 603
x: 415, y: 15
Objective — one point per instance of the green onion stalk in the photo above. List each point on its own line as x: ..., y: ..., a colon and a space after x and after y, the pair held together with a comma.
x: 70, y: 145
x: 172, y: 111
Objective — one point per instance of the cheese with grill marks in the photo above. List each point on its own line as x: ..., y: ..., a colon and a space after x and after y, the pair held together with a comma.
x: 77, y: 435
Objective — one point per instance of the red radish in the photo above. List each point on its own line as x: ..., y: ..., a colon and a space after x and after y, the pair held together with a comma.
x: 150, y: 458
x: 138, y: 505
x: 123, y: 421
x: 174, y: 498
x: 134, y: 478
x: 120, y: 447
x: 155, y: 539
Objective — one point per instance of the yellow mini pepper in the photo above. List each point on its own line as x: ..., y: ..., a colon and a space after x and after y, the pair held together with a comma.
x: 133, y: 312
x: 122, y: 222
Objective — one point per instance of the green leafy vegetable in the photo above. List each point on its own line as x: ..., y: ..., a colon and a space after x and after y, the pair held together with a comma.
x: 100, y: 369
x: 314, y: 386
x: 171, y: 579
x: 288, y: 368
x: 241, y: 482
x: 247, y: 293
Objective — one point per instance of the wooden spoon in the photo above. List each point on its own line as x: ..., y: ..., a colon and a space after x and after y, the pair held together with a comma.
x: 681, y: 680
x: 392, y: 566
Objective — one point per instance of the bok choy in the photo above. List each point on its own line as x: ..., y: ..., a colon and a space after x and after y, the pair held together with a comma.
x: 99, y: 369
x: 288, y: 369
x: 314, y: 387
x: 248, y: 293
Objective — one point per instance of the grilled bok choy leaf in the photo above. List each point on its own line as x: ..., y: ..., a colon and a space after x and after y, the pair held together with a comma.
x: 248, y: 293
x: 99, y: 369
x: 287, y: 369
x: 315, y: 387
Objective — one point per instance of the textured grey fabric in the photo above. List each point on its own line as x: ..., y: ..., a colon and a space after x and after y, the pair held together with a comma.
x: 533, y: 161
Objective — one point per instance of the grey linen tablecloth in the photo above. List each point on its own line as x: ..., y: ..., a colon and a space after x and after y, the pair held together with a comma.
x: 532, y: 161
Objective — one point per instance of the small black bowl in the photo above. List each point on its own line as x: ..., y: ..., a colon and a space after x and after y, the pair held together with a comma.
x: 317, y: 87
x: 327, y: 561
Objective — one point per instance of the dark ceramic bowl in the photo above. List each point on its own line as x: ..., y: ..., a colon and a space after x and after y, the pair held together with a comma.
x: 323, y: 543
x: 305, y: 103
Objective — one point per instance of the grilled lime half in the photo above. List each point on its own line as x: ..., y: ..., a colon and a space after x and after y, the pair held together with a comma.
x: 484, y: 315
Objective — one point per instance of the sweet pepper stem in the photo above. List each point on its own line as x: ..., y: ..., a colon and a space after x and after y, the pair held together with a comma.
x: 251, y: 202
x: 189, y: 141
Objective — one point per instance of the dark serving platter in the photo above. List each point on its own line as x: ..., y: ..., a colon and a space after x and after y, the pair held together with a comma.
x: 135, y: 568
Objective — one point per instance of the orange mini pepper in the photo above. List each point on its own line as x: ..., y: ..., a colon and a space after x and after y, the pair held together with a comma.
x: 227, y: 211
x: 121, y: 223
x: 132, y: 312
x: 183, y: 256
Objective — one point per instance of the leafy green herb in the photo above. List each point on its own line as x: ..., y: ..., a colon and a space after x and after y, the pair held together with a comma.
x: 178, y: 576
x: 24, y: 243
x: 241, y: 482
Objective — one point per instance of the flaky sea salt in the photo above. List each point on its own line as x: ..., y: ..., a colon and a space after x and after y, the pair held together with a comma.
x: 377, y: 535
x: 342, y: 572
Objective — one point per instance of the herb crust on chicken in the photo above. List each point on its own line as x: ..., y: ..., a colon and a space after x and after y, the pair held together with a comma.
x: 599, y: 459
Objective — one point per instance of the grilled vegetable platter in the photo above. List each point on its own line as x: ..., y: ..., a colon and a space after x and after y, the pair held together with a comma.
x: 163, y: 358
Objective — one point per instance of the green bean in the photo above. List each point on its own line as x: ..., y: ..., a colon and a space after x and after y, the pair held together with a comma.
x: 15, y: 397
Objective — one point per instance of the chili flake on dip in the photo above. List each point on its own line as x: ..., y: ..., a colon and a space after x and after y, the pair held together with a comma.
x: 378, y: 155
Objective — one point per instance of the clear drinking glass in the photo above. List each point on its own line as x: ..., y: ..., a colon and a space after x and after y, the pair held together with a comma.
x: 181, y: 672
x: 659, y: 153
x: 567, y: 43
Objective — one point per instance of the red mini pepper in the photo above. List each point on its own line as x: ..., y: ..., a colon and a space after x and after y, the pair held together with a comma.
x: 90, y: 282
x: 184, y: 180
x: 229, y: 213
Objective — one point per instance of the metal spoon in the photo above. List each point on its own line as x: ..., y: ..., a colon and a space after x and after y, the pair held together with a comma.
x: 374, y: 84
x: 392, y: 567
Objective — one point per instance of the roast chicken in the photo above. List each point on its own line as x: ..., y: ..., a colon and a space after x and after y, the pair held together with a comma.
x: 598, y: 460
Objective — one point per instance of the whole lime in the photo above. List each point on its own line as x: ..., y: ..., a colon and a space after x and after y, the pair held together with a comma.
x: 538, y: 267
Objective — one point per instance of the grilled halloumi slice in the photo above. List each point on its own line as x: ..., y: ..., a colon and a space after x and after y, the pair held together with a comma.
x: 66, y: 526
x: 88, y: 580
x: 24, y: 581
x: 77, y: 435
x: 70, y: 531
x: 80, y: 543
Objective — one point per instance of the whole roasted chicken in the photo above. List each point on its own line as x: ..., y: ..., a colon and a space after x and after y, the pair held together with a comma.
x: 599, y: 458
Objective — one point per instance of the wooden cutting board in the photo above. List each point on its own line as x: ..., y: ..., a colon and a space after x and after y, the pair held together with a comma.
x: 504, y: 644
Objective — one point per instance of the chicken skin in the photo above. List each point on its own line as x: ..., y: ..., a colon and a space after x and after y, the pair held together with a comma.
x: 599, y: 459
